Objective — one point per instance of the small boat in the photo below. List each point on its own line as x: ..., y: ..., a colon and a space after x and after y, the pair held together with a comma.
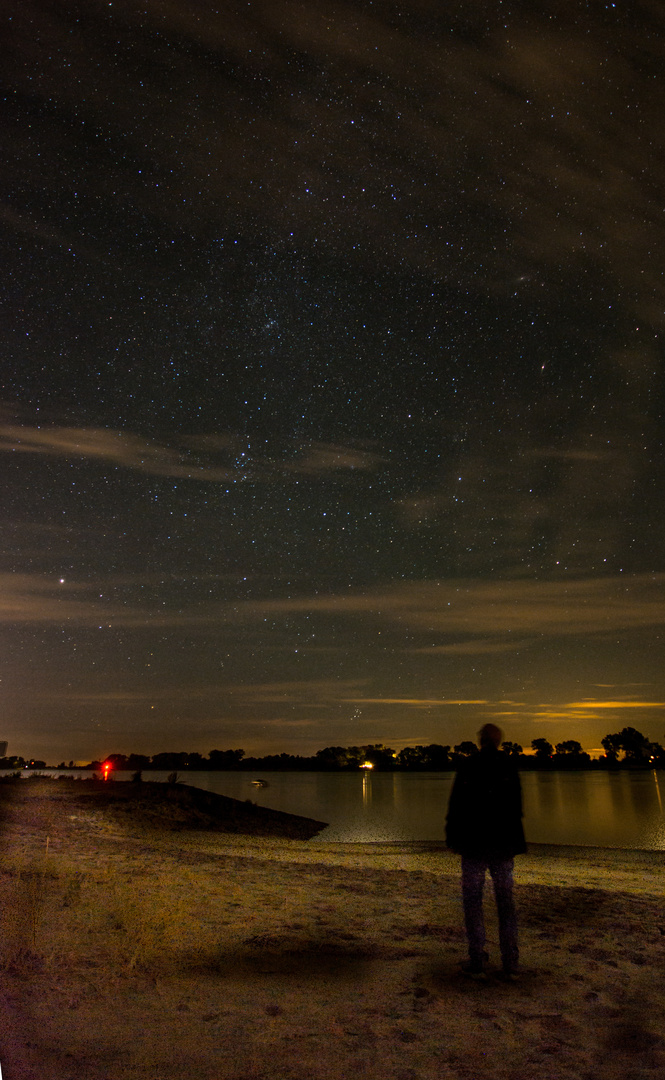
x: 260, y: 783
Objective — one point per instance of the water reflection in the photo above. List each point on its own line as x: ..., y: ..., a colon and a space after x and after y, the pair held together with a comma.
x: 367, y: 788
x: 616, y: 809
x: 622, y: 809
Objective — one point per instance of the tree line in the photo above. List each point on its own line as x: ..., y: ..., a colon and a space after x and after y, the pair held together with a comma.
x: 627, y: 748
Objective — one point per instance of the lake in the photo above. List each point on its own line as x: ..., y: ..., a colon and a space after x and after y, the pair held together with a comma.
x: 597, y: 809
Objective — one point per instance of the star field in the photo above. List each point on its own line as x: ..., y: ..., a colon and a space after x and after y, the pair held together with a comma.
x: 331, y: 374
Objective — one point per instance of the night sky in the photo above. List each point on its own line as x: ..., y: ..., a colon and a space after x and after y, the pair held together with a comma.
x: 332, y: 383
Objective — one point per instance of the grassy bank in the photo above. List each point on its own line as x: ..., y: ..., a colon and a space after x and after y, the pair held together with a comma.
x: 137, y: 952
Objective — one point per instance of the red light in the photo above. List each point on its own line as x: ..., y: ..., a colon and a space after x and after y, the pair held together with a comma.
x: 106, y: 769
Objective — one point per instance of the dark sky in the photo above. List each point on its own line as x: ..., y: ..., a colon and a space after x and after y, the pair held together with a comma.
x: 332, y: 386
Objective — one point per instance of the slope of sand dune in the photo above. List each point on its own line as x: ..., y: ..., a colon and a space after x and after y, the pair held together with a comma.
x: 132, y: 952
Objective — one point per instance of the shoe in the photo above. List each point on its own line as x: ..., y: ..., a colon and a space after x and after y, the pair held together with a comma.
x: 508, y: 975
x: 474, y: 970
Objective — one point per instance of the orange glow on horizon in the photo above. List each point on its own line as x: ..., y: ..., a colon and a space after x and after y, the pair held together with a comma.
x: 593, y: 703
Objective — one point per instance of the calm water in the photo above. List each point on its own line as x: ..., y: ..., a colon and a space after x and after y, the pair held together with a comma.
x: 598, y: 809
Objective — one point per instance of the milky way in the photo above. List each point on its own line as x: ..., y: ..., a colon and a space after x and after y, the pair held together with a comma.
x: 332, y: 376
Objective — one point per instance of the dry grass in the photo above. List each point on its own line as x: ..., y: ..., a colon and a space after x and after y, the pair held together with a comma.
x: 130, y: 955
x: 55, y: 917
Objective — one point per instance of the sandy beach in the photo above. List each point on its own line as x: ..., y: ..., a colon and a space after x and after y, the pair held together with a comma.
x: 134, y: 952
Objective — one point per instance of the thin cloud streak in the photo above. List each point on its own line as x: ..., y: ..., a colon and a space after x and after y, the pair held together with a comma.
x: 577, y: 712
x: 418, y: 702
x: 472, y: 648
x: 616, y: 704
x: 130, y: 451
x: 32, y: 599
x: 134, y: 697
x: 492, y: 610
x: 309, y: 693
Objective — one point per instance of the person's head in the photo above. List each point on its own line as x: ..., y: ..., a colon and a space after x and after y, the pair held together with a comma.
x: 490, y: 735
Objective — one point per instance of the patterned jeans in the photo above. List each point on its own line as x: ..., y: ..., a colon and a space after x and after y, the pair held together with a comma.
x: 473, y: 883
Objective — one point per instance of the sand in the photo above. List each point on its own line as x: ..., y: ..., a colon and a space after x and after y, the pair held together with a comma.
x: 131, y: 952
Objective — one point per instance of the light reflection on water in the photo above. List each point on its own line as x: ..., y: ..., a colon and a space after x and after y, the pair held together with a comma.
x: 603, y: 809
x: 622, y: 809
x: 367, y: 788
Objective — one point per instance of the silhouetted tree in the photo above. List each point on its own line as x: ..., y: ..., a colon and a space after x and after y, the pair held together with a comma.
x: 381, y: 757
x: 635, y: 746
x: 411, y: 757
x: 136, y: 762
x: 169, y: 761
x: 225, y: 759
x: 433, y: 756
x: 570, y: 755
x: 281, y: 761
x: 466, y: 748
x: 570, y: 746
x: 117, y: 761
x: 512, y: 748
x: 611, y: 744
x: 331, y: 756
x: 340, y: 757
x: 543, y: 749
x: 437, y: 756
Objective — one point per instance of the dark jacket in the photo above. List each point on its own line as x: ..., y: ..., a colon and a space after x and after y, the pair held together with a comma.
x: 485, y: 808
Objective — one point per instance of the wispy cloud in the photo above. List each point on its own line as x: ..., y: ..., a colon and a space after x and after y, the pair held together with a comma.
x: 491, y: 610
x: 516, y: 498
x: 320, y: 459
x: 579, y: 181
x: 114, y: 447
x: 309, y: 693
x: 194, y: 459
x: 163, y: 694
x: 41, y: 599
x: 420, y: 703
x: 576, y: 712
x: 456, y: 617
x: 594, y: 703
x: 474, y: 647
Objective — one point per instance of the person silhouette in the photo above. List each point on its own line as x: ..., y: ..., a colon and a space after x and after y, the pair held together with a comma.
x: 484, y: 826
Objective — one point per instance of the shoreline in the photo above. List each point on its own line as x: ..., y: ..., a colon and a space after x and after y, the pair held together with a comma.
x: 134, y: 952
x: 628, y: 873
x: 91, y: 821
x: 638, y: 833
